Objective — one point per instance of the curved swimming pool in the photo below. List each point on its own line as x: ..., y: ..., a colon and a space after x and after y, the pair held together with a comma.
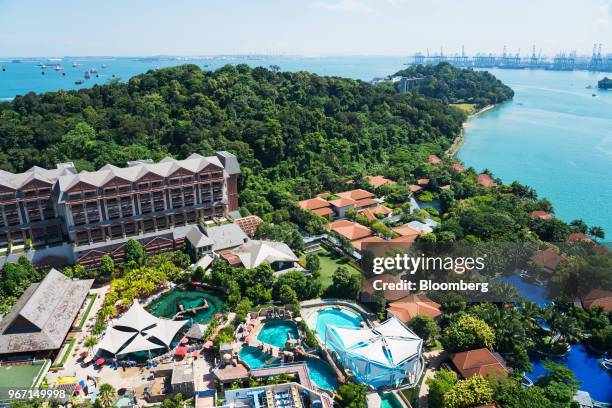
x: 255, y: 358
x: 334, y: 316
x: 321, y: 374
x: 277, y: 332
x: 585, y: 364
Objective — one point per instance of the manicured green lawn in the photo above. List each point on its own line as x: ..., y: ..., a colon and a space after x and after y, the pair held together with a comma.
x: 329, y: 263
x: 20, y: 376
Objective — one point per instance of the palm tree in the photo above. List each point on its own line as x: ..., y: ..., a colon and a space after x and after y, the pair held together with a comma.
x: 90, y: 342
x: 106, y: 395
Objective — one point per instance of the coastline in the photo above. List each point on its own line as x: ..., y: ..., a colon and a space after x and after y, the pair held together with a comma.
x: 454, y: 148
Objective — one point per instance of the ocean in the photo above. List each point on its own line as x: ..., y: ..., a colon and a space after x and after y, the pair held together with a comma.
x: 554, y: 136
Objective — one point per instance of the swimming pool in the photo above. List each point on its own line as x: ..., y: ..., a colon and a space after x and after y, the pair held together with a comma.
x: 321, y: 374
x: 341, y: 317
x: 585, y: 364
x: 167, y: 305
x: 530, y: 291
x: 255, y: 358
x: 276, y: 332
x: 388, y: 400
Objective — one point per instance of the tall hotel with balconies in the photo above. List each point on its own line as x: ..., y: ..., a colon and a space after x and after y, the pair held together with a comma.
x: 98, y: 212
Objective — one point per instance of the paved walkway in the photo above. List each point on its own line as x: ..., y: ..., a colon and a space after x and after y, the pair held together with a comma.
x: 434, y: 358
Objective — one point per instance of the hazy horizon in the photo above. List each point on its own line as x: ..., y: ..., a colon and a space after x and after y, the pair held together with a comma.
x: 115, y: 28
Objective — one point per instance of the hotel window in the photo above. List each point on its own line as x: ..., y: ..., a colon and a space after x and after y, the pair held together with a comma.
x: 124, y: 189
x: 204, y: 176
x: 116, y: 231
x: 48, y: 210
x: 82, y: 237
x: 179, y: 219
x: 78, y: 214
x: 145, y: 203
x: 44, y: 191
x: 130, y: 229
x: 158, y: 201
x: 89, y: 194
x: 29, y: 193
x: 177, y: 198
x: 112, y: 208
x: 110, y: 191
x: 143, y: 186
x: 76, y: 196
x: 161, y: 222
x: 54, y: 233
x: 187, y: 179
x: 93, y: 215
x: 149, y: 225
x: 12, y: 214
x: 189, y: 196
x: 7, y: 196
x: 126, y: 206
x: 33, y: 211
x: 174, y: 181
x: 96, y: 235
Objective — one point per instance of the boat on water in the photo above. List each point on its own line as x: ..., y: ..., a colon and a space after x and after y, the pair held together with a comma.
x: 93, y: 70
x: 104, y: 66
x: 79, y: 82
x: 59, y: 68
x: 87, y: 75
x: 76, y: 64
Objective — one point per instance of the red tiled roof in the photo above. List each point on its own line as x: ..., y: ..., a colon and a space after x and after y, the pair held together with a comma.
x: 598, y: 298
x: 414, y: 188
x: 370, y: 213
x: 445, y: 187
x: 543, y: 215
x: 486, y: 181
x: 458, y: 167
x: 377, y: 181
x: 249, y: 224
x: 407, y: 231
x: 313, y: 203
x: 231, y: 258
x: 365, y: 202
x: 342, y: 202
x: 423, y: 182
x: 408, y: 308
x: 480, y: 362
x: 358, y: 194
x: 358, y: 243
x: 389, y: 295
x: 547, y: 258
x: 433, y: 159
x: 323, y: 212
x: 577, y: 236
x: 350, y: 229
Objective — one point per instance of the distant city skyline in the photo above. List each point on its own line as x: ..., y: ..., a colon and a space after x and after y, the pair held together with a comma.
x: 301, y: 27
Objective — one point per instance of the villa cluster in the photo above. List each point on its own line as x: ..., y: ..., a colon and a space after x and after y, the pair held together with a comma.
x: 70, y: 217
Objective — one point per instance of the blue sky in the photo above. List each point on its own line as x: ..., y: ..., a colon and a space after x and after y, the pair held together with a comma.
x: 307, y: 27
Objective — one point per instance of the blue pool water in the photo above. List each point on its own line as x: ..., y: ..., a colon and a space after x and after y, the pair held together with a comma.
x: 321, y: 374
x: 276, y: 332
x: 255, y: 358
x: 585, y: 365
x: 531, y: 292
x: 335, y: 317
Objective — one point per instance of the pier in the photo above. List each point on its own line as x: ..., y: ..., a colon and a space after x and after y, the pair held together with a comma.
x: 191, y: 310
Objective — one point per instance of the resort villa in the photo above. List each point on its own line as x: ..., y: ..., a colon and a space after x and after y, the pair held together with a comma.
x: 336, y: 207
x: 548, y: 259
x: 69, y: 217
x: 413, y: 305
x: 480, y: 362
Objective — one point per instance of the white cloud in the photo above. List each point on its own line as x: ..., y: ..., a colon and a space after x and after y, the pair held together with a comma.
x: 352, y: 6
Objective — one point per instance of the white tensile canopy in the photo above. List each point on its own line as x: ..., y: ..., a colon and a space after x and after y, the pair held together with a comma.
x: 137, y: 318
x: 382, y: 356
x: 140, y: 343
x: 115, y: 339
x: 134, y: 331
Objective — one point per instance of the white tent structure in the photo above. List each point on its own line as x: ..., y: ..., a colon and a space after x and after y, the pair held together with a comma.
x: 388, y: 355
x: 138, y: 330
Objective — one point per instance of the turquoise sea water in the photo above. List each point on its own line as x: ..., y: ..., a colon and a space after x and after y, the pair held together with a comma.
x: 554, y: 136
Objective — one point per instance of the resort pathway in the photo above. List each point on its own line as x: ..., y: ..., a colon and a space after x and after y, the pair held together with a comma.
x: 434, y: 358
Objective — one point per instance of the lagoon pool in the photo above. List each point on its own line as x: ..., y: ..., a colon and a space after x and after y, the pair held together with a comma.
x: 321, y: 374
x: 255, y: 358
x: 277, y: 332
x: 167, y: 305
x: 342, y: 317
x: 585, y: 364
x: 530, y: 291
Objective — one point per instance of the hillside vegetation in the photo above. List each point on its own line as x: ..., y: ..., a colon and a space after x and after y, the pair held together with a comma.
x: 452, y: 85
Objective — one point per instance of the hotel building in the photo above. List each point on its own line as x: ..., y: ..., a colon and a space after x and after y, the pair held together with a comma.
x: 98, y: 212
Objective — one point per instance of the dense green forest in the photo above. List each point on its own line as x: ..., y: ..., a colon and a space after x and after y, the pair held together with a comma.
x: 452, y: 85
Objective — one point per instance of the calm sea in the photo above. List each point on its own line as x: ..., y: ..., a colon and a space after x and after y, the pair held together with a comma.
x: 554, y: 135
